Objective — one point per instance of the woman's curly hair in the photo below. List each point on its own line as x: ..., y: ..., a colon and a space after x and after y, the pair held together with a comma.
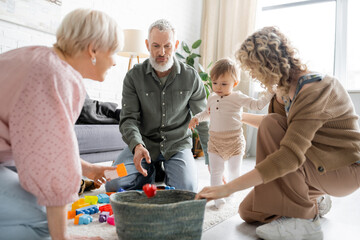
x: 270, y: 58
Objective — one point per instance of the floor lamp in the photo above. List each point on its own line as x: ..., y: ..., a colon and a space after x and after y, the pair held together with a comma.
x: 134, y: 45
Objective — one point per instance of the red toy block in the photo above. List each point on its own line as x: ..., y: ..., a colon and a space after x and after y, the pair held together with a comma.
x: 106, y: 208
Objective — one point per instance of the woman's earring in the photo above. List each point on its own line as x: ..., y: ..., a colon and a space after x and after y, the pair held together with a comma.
x: 93, y: 61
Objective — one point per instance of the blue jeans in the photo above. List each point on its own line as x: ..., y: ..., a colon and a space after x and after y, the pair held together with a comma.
x: 20, y: 215
x: 180, y: 171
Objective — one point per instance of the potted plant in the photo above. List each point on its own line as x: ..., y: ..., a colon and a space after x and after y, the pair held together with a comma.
x: 190, y: 60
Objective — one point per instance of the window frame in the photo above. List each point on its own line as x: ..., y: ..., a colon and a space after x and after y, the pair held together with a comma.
x: 340, y: 45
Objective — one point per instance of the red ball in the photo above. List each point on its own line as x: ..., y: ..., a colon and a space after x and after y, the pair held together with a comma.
x: 149, y: 190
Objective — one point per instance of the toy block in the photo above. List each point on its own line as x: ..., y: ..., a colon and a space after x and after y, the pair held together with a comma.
x: 121, y: 190
x: 79, y: 204
x: 109, y: 193
x: 83, y: 219
x: 92, y: 200
x: 165, y: 188
x: 111, y: 220
x: 76, y: 220
x: 106, y: 208
x: 71, y: 214
x: 103, y: 198
x: 103, y: 216
x: 88, y: 210
x: 120, y: 171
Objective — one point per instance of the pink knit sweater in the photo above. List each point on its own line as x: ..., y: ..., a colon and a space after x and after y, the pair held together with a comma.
x: 40, y: 99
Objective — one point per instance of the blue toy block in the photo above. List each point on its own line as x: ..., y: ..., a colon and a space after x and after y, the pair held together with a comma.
x: 120, y: 190
x: 85, y: 219
x: 103, y: 198
x: 88, y: 210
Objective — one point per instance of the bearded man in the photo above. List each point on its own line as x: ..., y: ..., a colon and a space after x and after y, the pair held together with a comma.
x: 159, y: 97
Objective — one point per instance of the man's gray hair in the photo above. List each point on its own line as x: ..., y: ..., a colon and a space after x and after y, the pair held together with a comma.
x: 162, y: 25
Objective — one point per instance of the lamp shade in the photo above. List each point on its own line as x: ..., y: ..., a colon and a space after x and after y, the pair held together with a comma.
x: 134, y: 44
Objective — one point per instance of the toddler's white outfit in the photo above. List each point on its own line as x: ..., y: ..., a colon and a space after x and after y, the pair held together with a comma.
x: 226, y: 138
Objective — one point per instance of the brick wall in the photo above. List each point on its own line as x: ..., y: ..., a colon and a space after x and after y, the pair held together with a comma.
x: 184, y: 14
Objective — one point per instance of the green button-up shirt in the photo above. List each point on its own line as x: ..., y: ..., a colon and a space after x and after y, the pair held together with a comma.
x: 157, y: 115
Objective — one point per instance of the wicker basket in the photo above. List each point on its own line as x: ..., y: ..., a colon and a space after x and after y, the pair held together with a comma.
x: 170, y: 214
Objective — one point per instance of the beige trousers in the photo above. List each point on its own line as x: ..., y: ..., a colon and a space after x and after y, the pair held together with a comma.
x: 293, y: 195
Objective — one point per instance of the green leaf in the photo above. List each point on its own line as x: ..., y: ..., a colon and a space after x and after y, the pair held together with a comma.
x: 209, y: 65
x: 203, y: 76
x: 190, y: 61
x: 196, y: 44
x: 194, y: 55
x: 179, y: 55
x: 185, y: 47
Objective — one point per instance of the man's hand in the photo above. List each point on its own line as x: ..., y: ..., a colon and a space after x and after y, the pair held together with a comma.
x: 193, y: 123
x: 141, y: 152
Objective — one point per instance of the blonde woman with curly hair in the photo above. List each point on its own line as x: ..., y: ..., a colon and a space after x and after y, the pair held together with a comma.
x: 41, y: 96
x: 307, y: 147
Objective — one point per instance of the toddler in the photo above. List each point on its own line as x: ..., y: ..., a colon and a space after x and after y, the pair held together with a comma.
x: 224, y: 109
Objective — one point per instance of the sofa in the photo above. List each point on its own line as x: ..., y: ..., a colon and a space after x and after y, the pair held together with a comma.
x: 99, y: 142
x: 97, y: 131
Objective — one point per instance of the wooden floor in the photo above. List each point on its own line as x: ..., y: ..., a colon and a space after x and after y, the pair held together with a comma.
x: 342, y: 222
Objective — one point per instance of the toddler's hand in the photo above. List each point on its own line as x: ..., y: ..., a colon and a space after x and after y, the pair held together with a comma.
x: 193, y: 123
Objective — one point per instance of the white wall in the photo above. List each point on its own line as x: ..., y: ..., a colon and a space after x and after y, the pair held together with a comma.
x: 184, y: 14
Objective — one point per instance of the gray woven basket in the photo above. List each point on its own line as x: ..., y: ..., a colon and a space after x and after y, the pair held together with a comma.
x: 170, y: 214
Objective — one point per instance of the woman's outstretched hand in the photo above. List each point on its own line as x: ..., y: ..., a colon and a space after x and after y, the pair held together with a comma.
x: 211, y: 193
x: 249, y: 179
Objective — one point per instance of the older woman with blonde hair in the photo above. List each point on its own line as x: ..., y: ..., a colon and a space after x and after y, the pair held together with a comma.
x: 309, y: 147
x: 41, y: 96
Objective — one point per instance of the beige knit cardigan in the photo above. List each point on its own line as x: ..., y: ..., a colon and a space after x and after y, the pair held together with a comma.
x: 322, y: 126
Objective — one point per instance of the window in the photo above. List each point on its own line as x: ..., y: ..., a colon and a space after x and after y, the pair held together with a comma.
x: 353, y: 47
x: 324, y: 32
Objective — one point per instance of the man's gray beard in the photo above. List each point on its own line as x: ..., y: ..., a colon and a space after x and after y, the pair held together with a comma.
x: 162, y: 68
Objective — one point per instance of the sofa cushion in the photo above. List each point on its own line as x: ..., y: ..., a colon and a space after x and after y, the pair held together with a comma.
x: 99, y: 138
x: 101, y: 156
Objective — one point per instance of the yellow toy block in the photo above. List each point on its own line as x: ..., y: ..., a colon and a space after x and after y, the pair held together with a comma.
x: 79, y: 204
x: 92, y: 200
